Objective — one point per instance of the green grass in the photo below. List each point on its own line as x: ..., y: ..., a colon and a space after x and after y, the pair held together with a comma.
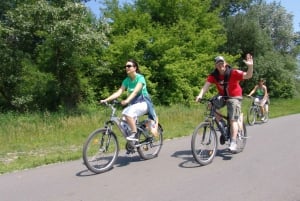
x: 31, y: 140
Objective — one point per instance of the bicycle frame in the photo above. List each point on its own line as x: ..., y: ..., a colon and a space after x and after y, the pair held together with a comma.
x: 115, y: 120
x: 204, y: 142
x: 212, y: 115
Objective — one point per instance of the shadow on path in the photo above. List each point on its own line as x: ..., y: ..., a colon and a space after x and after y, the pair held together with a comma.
x: 120, y: 162
x: 190, y: 162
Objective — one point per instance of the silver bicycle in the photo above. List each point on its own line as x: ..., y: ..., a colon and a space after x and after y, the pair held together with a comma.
x: 254, y: 113
x: 101, y: 148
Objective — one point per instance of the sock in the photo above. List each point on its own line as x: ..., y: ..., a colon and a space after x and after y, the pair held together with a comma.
x: 133, y: 133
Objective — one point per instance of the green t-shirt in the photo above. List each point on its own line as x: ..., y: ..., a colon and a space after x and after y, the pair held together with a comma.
x: 260, y: 91
x: 131, y: 84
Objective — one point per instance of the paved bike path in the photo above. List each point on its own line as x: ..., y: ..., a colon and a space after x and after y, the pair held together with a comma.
x: 268, y: 169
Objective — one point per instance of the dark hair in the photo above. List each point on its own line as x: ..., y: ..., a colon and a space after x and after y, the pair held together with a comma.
x: 135, y: 64
x: 262, y: 79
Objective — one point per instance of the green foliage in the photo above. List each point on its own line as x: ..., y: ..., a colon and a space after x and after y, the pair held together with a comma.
x: 170, y: 45
x: 244, y: 35
x: 58, y: 46
x: 265, y: 30
x: 55, y: 55
x: 230, y: 7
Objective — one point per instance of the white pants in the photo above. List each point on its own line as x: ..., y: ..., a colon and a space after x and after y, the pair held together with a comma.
x: 136, y: 110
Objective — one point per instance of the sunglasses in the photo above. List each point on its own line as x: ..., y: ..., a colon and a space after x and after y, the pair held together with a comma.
x: 128, y: 66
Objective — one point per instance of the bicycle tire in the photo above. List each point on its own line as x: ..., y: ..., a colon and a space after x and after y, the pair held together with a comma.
x: 251, y: 115
x: 100, y: 150
x: 150, y: 146
x: 204, y: 143
x: 241, y: 139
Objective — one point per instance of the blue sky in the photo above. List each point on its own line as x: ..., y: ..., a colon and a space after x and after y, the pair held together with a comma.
x: 291, y: 6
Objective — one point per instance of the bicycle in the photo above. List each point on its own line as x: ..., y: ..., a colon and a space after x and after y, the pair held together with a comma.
x: 101, y: 148
x: 204, y: 143
x: 254, y: 112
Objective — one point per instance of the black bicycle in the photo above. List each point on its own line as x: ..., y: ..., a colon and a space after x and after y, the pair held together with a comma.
x: 204, y: 143
x: 254, y: 112
x: 101, y: 148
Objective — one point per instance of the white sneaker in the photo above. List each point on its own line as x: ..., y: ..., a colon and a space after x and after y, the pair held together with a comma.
x: 132, y: 137
x: 233, y: 146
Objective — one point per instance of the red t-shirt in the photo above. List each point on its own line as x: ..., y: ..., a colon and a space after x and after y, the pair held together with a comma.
x: 234, y: 88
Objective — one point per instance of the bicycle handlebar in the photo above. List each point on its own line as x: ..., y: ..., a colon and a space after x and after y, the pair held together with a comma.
x: 112, y: 106
x: 203, y: 100
x: 113, y: 102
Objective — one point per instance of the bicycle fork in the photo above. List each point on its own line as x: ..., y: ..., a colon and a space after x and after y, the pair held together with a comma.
x: 205, y: 134
x: 104, y: 143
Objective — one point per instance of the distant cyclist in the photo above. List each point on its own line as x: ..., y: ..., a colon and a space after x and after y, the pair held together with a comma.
x: 261, y: 92
x: 227, y: 81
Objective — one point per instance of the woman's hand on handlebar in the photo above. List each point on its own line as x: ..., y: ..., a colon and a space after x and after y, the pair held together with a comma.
x: 198, y: 99
x: 103, y: 101
x: 124, y: 102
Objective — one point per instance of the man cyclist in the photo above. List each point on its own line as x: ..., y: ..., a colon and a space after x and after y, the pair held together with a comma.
x: 230, y: 89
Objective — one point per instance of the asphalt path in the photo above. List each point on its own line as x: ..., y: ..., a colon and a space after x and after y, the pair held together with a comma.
x: 267, y: 170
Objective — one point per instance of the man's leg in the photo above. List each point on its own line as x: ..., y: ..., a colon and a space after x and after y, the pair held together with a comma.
x: 234, y: 112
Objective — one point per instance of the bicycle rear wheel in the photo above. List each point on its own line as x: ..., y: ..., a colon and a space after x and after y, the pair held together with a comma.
x: 100, y: 150
x: 149, y: 145
x: 241, y: 139
x: 204, y: 143
x: 251, y: 115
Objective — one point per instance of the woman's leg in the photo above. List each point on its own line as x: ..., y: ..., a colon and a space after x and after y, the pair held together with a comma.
x: 131, y: 113
x: 262, y: 107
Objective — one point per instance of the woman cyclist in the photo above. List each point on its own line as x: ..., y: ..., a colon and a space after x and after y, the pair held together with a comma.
x: 261, y: 92
x: 138, y: 99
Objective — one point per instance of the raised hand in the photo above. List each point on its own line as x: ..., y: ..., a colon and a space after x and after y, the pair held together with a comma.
x: 249, y: 60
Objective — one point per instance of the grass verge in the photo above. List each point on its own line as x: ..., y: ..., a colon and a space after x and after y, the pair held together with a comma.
x: 31, y: 140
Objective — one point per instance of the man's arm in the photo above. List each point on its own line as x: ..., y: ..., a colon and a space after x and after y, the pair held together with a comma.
x: 203, y: 91
x: 249, y: 63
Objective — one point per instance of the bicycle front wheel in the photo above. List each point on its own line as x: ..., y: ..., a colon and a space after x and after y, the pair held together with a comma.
x: 204, y: 143
x: 100, y: 150
x: 251, y: 115
x: 150, y: 145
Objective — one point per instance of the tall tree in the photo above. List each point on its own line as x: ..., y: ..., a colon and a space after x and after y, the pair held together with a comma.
x: 173, y: 40
x: 51, y: 49
x: 231, y: 7
x: 266, y: 31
